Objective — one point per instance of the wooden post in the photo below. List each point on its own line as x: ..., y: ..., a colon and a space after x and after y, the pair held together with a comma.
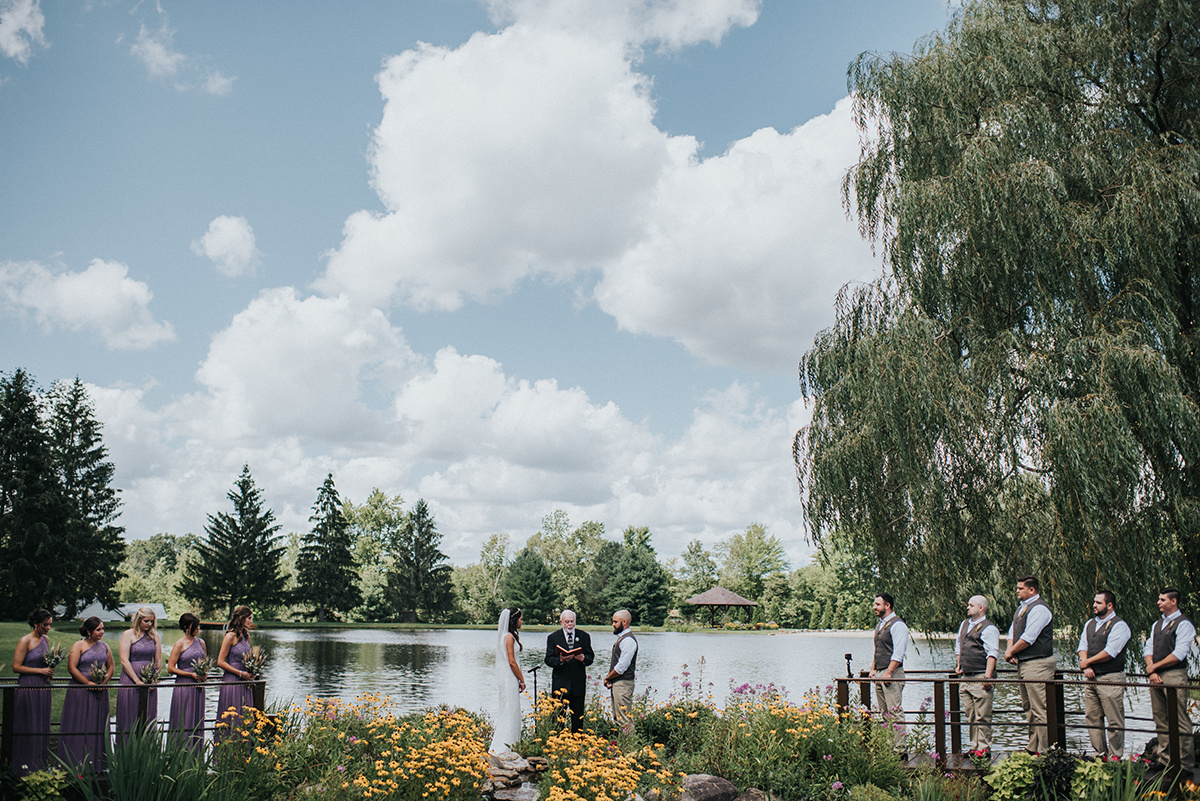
x: 939, y: 720
x: 1060, y: 735
x: 864, y: 690
x: 7, y: 727
x: 1052, y: 711
x: 143, y: 691
x: 955, y: 718
x: 843, y: 696
x: 259, y: 689
x: 1173, y: 726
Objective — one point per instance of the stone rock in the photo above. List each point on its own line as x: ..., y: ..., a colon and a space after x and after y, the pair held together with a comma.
x: 503, y: 773
x: 537, y: 763
x: 526, y: 792
x: 755, y: 794
x: 703, y: 787
x: 508, y: 761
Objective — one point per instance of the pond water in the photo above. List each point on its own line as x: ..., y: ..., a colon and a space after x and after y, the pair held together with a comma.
x: 418, y: 669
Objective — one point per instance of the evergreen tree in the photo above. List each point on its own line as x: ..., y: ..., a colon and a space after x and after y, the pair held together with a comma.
x: 420, y: 577
x: 527, y: 584
x: 325, y: 568
x: 35, y: 512
x: 1021, y: 392
x: 90, y: 567
x: 596, y: 606
x: 375, y: 528
x: 240, y: 561
x: 638, y: 582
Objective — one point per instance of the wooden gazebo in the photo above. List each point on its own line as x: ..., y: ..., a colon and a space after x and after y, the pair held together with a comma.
x: 718, y: 597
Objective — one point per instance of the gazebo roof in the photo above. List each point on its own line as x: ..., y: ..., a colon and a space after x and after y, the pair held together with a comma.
x: 719, y: 596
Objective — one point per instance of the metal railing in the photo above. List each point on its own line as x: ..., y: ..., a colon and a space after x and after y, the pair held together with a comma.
x: 8, y: 703
x: 947, y: 717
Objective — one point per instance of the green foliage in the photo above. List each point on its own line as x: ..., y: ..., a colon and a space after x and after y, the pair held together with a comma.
x: 240, y: 562
x: 679, y: 726
x: 58, y: 539
x: 568, y: 554
x: 143, y: 770
x: 697, y: 573
x: 44, y: 785
x: 477, y: 586
x: 637, y: 582
x: 1021, y: 392
x: 375, y: 528
x: 748, y: 558
x: 325, y: 567
x: 153, y: 568
x: 419, y: 579
x: 528, y: 584
x: 1012, y: 778
x: 1052, y: 775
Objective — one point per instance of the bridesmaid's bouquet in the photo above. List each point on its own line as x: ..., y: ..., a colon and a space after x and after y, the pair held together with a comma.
x: 151, y: 673
x: 254, y: 661
x: 98, y: 673
x: 54, y: 654
x: 203, y: 666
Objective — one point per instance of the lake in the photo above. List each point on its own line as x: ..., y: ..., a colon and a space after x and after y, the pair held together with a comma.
x: 418, y: 669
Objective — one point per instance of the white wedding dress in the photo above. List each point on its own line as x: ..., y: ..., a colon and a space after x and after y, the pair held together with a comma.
x: 508, y: 718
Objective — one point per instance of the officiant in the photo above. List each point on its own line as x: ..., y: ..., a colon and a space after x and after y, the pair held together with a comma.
x: 569, y: 652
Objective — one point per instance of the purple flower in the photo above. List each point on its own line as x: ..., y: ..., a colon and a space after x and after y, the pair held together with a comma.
x: 342, y: 768
x: 836, y: 786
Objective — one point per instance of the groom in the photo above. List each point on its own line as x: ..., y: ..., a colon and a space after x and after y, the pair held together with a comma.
x: 569, y: 652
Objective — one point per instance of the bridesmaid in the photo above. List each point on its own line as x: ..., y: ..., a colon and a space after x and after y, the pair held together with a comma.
x: 140, y: 646
x: 234, y: 647
x: 83, y: 734
x: 31, y: 718
x: 187, y: 702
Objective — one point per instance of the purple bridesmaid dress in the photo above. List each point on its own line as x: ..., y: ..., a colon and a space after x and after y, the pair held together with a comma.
x: 187, y: 701
x: 233, y: 696
x: 141, y: 653
x: 31, y: 715
x: 84, y: 730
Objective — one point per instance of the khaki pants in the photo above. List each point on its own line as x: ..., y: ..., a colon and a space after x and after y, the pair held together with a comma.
x: 1158, y: 704
x: 622, y: 701
x: 977, y: 711
x: 1104, y: 703
x: 1033, y: 700
x: 890, y: 697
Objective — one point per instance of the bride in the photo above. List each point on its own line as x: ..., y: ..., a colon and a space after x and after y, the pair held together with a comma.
x: 510, y: 683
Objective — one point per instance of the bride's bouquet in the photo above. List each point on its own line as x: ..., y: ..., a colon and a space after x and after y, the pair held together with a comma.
x: 54, y: 654
x: 254, y: 661
x: 202, y: 667
x: 98, y: 673
x: 151, y: 673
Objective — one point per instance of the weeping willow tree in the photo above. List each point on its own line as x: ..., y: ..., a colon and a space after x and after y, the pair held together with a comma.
x: 1019, y: 392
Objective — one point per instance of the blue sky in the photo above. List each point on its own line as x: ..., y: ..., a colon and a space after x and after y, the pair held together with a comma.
x: 509, y: 256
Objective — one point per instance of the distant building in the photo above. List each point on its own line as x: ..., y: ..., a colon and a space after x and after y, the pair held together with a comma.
x: 121, y: 612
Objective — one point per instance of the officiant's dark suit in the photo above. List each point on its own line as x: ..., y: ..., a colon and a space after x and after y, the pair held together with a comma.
x: 570, y: 676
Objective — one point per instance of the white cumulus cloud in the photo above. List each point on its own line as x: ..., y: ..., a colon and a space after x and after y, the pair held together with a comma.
x: 102, y: 299
x: 532, y: 153
x: 229, y: 244
x: 21, y: 28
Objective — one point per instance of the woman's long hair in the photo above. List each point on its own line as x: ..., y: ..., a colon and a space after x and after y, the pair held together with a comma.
x: 237, y: 623
x: 514, y: 617
x: 89, y: 625
x: 139, y: 616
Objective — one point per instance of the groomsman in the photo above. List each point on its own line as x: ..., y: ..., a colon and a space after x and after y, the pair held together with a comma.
x: 622, y: 670
x: 891, y: 641
x: 569, y: 652
x: 976, y: 650
x: 1102, y: 647
x: 1166, y: 653
x: 1031, y: 649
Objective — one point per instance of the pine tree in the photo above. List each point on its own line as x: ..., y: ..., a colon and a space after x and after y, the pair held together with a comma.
x: 240, y: 561
x: 527, y: 584
x: 420, y: 577
x: 638, y: 582
x: 326, y: 578
x: 90, y: 568
x: 35, y: 512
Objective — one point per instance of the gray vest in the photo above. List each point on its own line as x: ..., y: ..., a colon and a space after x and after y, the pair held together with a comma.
x: 628, y: 675
x: 883, y: 644
x: 972, y: 656
x: 1164, y: 640
x: 1097, y: 637
x: 1043, y: 645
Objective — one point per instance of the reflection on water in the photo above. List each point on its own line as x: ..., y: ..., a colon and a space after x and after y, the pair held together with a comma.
x: 420, y: 669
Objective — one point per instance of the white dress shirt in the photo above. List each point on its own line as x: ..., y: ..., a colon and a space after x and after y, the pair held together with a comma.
x: 1118, y: 635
